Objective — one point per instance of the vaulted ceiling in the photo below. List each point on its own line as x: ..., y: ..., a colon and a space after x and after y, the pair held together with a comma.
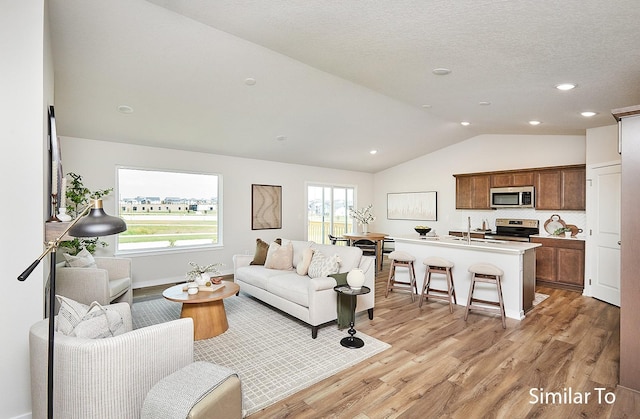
x: 324, y: 82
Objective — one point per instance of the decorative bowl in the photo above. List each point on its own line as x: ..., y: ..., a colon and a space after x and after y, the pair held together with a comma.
x: 422, y: 230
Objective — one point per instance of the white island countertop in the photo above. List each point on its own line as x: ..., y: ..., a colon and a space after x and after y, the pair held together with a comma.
x: 488, y: 245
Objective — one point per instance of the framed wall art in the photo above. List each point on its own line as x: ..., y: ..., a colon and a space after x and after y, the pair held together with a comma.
x: 266, y: 207
x: 421, y: 206
x: 56, y: 177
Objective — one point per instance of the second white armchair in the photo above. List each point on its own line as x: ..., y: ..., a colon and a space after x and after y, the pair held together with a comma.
x: 109, y: 282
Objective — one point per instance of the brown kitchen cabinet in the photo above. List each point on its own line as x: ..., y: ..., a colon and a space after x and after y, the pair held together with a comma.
x: 500, y: 180
x: 556, y: 188
x: 472, y: 191
x: 560, y: 263
x: 561, y: 189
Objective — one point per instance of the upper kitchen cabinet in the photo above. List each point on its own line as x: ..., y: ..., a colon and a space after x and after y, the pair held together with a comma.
x: 472, y: 191
x: 561, y: 188
x: 500, y: 180
x: 556, y: 188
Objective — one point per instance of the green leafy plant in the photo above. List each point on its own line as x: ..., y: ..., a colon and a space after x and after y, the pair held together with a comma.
x: 561, y: 230
x: 198, y: 270
x: 77, y: 198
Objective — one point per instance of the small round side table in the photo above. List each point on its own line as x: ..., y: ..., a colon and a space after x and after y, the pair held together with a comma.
x: 352, y: 341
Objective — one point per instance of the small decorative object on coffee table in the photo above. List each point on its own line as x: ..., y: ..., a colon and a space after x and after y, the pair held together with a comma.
x: 202, y: 274
x: 351, y: 341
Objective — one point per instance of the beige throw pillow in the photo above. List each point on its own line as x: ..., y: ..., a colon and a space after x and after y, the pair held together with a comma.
x: 89, y: 322
x: 83, y: 259
x: 303, y: 265
x: 280, y: 257
x: 323, y: 265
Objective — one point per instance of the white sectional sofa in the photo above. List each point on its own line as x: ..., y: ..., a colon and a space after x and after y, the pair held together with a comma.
x: 311, y: 300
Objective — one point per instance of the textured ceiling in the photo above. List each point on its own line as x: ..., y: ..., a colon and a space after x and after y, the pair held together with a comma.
x: 337, y: 78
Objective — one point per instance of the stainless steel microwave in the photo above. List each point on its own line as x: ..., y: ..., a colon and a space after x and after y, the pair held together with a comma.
x: 513, y: 197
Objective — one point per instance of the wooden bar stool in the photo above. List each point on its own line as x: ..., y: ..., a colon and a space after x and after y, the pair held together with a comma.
x: 404, y: 260
x: 491, y: 274
x: 438, y: 265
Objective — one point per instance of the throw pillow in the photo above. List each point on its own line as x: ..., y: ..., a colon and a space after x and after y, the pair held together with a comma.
x: 323, y: 265
x: 89, y: 322
x: 83, y: 259
x: 279, y: 257
x: 262, y: 248
x: 303, y: 266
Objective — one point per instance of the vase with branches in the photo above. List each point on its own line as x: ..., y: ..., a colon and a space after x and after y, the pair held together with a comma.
x: 363, y: 216
x: 77, y: 197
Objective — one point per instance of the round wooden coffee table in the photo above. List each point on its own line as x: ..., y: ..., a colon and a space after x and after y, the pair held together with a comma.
x: 206, y: 308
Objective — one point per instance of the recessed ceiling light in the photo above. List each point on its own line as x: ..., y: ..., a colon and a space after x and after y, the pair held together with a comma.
x: 465, y: 123
x: 281, y: 138
x: 534, y: 122
x: 250, y: 81
x: 484, y: 103
x: 588, y: 114
x: 426, y: 106
x: 441, y: 71
x: 566, y: 86
x: 373, y: 152
x: 126, y: 109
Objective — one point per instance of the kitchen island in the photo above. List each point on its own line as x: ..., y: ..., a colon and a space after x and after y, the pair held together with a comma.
x: 516, y: 259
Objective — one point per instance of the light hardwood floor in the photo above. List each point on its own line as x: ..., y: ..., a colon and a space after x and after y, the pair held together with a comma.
x: 441, y: 366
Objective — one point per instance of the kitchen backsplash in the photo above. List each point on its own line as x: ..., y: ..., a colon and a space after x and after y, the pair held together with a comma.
x: 577, y: 218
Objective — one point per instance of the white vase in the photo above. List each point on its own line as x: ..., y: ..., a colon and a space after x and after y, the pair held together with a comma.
x: 203, y: 279
x: 365, y: 228
x: 62, y: 214
x: 355, y: 279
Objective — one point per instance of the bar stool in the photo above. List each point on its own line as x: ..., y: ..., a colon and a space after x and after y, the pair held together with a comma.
x: 438, y: 265
x: 491, y: 274
x: 404, y: 260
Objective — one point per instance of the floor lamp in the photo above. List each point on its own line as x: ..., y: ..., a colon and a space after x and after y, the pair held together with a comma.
x: 96, y: 224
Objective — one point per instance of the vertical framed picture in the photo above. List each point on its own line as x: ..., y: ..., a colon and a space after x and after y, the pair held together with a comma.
x: 266, y: 207
x: 421, y: 206
x: 55, y: 166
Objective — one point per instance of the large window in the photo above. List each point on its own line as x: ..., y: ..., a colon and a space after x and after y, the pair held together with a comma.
x: 167, y: 210
x: 328, y: 211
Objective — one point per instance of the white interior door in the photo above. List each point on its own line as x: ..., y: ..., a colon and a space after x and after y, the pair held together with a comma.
x: 605, y: 234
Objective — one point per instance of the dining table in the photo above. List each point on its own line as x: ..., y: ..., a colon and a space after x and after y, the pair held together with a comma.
x: 378, y: 238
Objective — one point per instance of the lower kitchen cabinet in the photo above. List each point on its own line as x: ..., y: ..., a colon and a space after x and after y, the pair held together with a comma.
x: 560, y: 263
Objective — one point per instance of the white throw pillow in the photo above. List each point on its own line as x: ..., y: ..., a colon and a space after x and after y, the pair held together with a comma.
x: 83, y: 259
x: 303, y: 265
x: 89, y: 322
x: 323, y: 265
x: 280, y: 257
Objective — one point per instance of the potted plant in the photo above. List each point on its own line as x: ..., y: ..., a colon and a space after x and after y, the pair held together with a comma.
x: 202, y: 274
x: 77, y: 198
x: 563, y: 230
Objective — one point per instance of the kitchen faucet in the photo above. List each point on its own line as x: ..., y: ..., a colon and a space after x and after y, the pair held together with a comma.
x: 468, y: 230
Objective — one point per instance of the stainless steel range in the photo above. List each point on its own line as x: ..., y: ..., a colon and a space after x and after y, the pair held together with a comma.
x: 514, y: 229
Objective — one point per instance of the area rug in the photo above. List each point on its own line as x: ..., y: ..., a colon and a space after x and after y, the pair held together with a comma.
x: 273, y: 353
x: 539, y: 298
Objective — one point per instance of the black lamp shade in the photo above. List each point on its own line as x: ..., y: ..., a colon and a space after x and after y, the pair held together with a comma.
x: 97, y: 223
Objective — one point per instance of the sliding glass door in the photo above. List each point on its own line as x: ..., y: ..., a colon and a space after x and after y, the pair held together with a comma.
x: 328, y: 211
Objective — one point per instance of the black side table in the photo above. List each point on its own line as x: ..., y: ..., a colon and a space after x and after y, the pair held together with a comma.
x: 351, y: 341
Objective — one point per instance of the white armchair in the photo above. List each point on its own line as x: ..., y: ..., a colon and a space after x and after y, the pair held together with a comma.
x: 109, y: 283
x: 111, y: 377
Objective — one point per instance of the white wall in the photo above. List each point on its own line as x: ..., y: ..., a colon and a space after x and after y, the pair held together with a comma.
x: 26, y: 86
x: 96, y: 162
x: 602, y: 145
x: 434, y: 172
